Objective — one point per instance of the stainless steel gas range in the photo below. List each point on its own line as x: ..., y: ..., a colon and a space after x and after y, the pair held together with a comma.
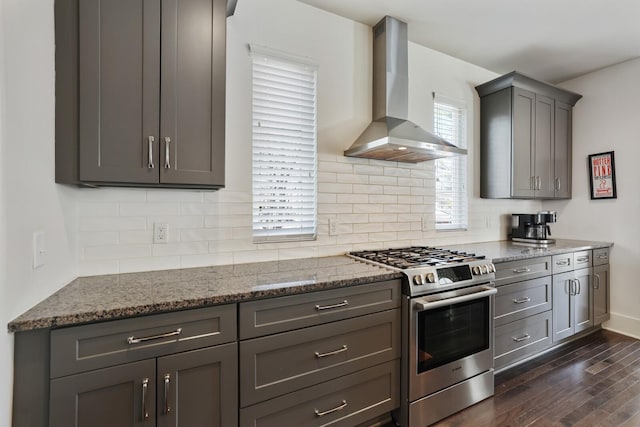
x: 447, y: 331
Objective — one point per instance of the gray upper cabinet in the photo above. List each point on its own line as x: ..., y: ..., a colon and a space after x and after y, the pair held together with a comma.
x: 140, y: 92
x: 525, y: 138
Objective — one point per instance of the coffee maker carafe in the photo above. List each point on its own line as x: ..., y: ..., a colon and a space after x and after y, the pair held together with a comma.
x: 532, y: 228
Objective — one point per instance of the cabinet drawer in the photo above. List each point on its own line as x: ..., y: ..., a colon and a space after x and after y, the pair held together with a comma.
x: 601, y: 256
x: 346, y: 401
x: 282, y: 363
x: 561, y: 263
x: 516, y: 271
x: 522, y: 299
x: 582, y: 259
x: 82, y: 348
x: 281, y: 314
x: 522, y: 338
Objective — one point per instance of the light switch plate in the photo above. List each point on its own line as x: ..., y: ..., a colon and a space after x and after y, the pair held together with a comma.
x: 39, y: 249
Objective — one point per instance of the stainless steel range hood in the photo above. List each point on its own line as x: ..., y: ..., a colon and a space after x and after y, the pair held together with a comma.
x: 391, y: 136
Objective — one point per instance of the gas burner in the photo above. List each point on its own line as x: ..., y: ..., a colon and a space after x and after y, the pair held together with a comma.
x: 417, y: 256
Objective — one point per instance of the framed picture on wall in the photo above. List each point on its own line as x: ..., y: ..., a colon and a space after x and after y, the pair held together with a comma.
x: 602, y: 176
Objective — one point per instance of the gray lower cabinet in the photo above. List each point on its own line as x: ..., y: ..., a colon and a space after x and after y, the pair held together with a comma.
x: 525, y: 138
x: 140, y: 92
x: 193, y: 389
x: 321, y: 358
x: 522, y: 338
x: 572, y: 303
x: 601, y: 294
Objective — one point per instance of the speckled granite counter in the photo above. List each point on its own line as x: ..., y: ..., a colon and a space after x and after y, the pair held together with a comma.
x: 505, y: 250
x: 97, y: 298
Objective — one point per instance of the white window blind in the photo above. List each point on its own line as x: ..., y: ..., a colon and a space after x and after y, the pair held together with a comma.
x: 450, y: 123
x: 284, y: 148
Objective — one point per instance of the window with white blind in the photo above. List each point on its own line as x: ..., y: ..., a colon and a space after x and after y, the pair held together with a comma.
x: 284, y: 147
x: 450, y: 123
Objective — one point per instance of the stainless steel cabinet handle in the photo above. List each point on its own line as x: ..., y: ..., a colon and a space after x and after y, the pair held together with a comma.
x: 167, y: 383
x: 563, y: 262
x: 572, y: 287
x: 532, y: 183
x: 145, y: 386
x: 557, y: 184
x: 134, y: 340
x: 329, y: 307
x: 331, y: 353
x: 167, y: 161
x: 579, y: 287
x: 538, y: 183
x: 337, y: 408
x: 603, y: 256
x: 150, y: 150
x: 521, y: 270
x: 582, y: 259
x: 522, y: 301
x: 596, y: 283
x: 522, y: 338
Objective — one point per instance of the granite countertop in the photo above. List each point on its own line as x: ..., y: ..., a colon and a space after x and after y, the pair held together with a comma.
x: 506, y: 250
x: 99, y: 298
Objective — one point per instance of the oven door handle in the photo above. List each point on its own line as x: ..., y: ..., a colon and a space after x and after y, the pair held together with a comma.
x: 428, y: 303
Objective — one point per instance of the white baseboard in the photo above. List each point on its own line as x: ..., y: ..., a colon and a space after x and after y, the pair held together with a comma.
x: 625, y: 325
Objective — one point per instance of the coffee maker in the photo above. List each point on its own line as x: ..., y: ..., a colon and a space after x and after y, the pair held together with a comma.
x: 532, y: 228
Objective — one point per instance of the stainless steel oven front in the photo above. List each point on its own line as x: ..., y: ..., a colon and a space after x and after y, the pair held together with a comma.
x: 450, y: 352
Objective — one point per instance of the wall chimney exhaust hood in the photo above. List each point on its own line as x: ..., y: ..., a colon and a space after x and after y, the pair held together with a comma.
x: 391, y: 136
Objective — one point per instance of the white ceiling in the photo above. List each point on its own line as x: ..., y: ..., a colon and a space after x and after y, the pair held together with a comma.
x: 551, y: 40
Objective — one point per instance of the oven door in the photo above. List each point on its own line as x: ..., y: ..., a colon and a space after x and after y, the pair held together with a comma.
x: 451, y: 338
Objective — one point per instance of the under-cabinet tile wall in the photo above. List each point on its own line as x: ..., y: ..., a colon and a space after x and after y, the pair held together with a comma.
x: 375, y: 204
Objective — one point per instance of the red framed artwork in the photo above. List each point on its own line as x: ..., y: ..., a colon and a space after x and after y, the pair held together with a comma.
x: 602, y: 176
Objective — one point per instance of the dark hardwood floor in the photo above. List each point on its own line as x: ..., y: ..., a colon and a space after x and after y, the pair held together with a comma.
x: 594, y: 381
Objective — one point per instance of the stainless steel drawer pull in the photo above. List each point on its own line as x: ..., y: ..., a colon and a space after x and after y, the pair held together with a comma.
x: 522, y: 338
x: 167, y: 383
x: 329, y: 307
x: 603, y: 256
x: 134, y: 340
x: 522, y: 270
x: 151, y: 165
x: 145, y: 386
x: 331, y: 353
x: 167, y: 161
x: 337, y: 408
x: 596, y: 283
x: 522, y: 301
x: 582, y: 259
x: 563, y: 262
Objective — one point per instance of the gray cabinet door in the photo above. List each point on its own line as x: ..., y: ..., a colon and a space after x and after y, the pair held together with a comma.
x: 562, y: 150
x: 522, y: 161
x: 583, y: 300
x: 116, y: 396
x: 600, y: 287
x: 193, y: 92
x: 119, y: 55
x: 563, y: 306
x: 199, y: 388
x: 543, y: 151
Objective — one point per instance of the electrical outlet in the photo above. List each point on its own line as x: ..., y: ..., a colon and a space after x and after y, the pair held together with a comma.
x: 426, y: 222
x: 160, y: 232
x: 333, y: 227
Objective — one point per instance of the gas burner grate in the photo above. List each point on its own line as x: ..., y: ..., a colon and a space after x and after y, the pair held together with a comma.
x: 417, y: 256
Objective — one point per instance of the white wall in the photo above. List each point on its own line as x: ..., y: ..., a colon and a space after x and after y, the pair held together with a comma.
x: 30, y: 200
x: 377, y: 204
x: 608, y: 118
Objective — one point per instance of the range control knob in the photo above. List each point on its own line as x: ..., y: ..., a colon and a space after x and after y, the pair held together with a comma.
x: 491, y: 268
x: 418, y: 279
x: 483, y: 269
x: 476, y: 270
x: 431, y: 278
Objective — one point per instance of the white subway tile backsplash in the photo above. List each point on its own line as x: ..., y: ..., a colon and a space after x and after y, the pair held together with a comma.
x: 375, y: 204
